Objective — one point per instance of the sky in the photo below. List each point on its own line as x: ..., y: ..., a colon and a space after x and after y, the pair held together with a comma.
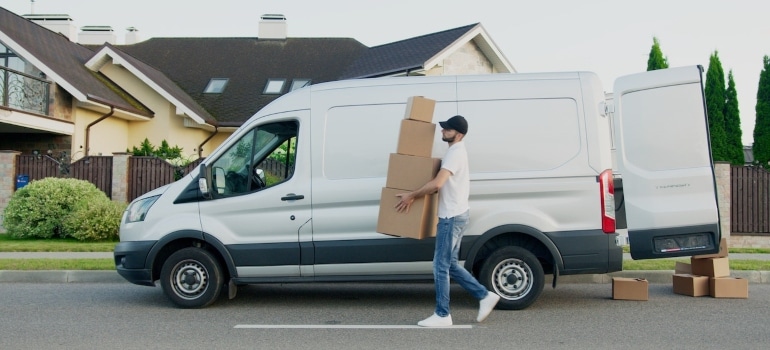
x: 609, y: 37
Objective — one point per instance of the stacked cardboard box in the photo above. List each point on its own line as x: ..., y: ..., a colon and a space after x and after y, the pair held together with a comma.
x: 709, y: 275
x: 408, y: 169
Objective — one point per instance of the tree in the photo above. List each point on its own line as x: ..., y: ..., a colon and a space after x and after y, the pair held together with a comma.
x: 733, y: 123
x: 762, y: 123
x: 656, y: 59
x: 715, y: 106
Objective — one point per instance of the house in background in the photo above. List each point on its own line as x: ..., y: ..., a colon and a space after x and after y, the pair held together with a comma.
x: 96, y: 97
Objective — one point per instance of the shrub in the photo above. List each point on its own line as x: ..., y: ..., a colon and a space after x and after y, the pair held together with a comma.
x: 95, y: 221
x: 38, y: 209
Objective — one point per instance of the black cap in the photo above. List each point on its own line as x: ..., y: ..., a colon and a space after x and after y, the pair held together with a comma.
x: 456, y: 123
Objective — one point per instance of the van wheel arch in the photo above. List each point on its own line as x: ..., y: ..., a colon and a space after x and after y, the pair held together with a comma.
x: 526, y: 237
x: 184, y: 239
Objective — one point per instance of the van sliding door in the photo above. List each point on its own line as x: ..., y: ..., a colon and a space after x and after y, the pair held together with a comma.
x: 664, y: 157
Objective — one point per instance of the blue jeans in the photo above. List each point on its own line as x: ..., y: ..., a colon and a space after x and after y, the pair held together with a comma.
x: 449, y: 235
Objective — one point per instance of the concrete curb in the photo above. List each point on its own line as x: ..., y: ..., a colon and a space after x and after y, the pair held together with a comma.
x: 81, y: 276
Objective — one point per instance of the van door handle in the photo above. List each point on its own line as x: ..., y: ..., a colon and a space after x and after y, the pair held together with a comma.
x: 292, y: 197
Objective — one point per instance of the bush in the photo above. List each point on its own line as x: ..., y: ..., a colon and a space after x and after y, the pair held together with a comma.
x: 39, y: 209
x: 95, y: 221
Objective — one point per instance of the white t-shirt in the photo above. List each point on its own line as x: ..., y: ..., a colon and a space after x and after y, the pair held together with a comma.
x: 453, y: 196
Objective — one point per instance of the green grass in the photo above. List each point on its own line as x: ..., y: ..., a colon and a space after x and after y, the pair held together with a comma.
x: 10, y: 244
x: 668, y: 264
x: 57, y: 264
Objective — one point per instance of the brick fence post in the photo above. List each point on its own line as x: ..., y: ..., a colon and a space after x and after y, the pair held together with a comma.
x: 722, y: 173
x: 120, y: 176
x: 7, y: 181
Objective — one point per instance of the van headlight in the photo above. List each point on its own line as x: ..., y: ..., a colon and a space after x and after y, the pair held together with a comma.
x: 138, y: 210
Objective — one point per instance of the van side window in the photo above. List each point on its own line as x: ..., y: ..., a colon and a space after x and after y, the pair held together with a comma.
x: 262, y: 158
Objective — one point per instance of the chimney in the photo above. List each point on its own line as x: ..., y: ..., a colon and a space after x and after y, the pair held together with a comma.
x: 96, y: 35
x: 56, y: 23
x: 132, y: 36
x: 272, y: 26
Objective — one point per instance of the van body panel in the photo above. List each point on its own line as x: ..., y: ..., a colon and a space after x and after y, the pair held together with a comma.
x: 663, y: 154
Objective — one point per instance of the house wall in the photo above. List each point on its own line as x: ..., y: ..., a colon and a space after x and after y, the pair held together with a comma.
x: 105, y: 137
x: 165, y: 124
x: 468, y: 59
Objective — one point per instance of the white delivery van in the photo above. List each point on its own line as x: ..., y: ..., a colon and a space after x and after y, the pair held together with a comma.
x: 293, y: 194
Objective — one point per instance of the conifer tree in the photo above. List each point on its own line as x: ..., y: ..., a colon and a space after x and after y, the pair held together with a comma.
x: 762, y: 123
x: 656, y: 59
x: 732, y: 117
x: 715, y: 106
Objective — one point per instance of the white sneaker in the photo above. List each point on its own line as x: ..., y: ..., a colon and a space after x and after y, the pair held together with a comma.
x: 486, y: 305
x: 436, y: 321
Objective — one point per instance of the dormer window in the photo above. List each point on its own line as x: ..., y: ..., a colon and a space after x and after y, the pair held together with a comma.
x: 274, y: 86
x: 216, y: 86
x: 299, y: 83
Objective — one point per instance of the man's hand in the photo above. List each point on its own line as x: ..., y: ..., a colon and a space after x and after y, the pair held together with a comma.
x: 406, y: 201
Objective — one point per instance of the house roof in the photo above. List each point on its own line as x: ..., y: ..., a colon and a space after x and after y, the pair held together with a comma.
x: 421, y: 53
x: 63, y: 61
x: 247, y: 63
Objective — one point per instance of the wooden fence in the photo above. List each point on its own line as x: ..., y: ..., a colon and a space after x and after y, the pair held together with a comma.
x: 95, y: 169
x: 149, y: 173
x: 750, y: 200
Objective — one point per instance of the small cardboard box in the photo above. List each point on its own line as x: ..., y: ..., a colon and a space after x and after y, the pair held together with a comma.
x: 419, y: 223
x: 682, y: 268
x: 410, y: 172
x: 711, y: 267
x: 420, y: 108
x: 729, y: 287
x: 720, y: 254
x: 629, y: 288
x: 694, y: 286
x: 416, y: 138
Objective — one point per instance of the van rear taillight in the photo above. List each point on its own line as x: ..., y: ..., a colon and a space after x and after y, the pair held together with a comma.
x: 607, y: 192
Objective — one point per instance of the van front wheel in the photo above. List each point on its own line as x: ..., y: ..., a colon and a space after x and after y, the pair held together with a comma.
x: 191, y: 278
x: 515, y: 274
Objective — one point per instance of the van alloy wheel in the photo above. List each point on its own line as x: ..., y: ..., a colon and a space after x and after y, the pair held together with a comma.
x: 515, y: 274
x: 191, y: 278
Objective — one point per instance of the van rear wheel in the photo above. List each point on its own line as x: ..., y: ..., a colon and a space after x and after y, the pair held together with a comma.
x: 515, y: 274
x: 191, y: 278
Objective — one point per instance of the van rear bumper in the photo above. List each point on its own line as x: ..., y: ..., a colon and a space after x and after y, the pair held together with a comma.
x: 588, y: 252
x: 131, y: 261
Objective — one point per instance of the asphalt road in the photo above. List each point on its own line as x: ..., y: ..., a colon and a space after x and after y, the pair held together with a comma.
x: 372, y: 316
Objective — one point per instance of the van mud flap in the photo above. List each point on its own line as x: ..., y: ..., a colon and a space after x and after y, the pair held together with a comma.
x: 555, y: 275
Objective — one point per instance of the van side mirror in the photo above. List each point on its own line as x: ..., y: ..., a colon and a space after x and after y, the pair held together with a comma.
x: 204, y: 179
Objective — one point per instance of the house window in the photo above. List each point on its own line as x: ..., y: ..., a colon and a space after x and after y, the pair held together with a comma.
x: 274, y: 86
x: 299, y: 83
x: 216, y: 86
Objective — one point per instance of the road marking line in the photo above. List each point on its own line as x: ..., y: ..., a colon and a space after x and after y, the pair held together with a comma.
x: 341, y: 326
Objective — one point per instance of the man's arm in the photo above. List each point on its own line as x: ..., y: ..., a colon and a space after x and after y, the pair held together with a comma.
x: 431, y: 186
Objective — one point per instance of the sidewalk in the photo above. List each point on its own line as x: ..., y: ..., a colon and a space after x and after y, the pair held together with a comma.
x: 78, y: 276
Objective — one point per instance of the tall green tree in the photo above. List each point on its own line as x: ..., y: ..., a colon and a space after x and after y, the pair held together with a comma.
x: 656, y: 59
x: 733, y: 123
x: 715, y: 106
x: 762, y: 123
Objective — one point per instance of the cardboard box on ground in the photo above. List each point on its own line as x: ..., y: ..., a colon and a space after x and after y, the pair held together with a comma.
x: 624, y: 288
x: 709, y: 275
x: 408, y: 169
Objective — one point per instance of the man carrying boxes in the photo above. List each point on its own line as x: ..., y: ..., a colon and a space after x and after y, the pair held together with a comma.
x: 453, y: 186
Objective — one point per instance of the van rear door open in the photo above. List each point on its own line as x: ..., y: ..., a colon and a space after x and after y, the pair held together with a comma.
x: 664, y: 157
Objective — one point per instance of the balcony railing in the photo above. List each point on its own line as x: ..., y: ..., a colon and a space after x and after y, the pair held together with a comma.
x: 23, y: 92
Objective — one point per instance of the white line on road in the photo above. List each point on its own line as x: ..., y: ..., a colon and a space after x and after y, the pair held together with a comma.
x: 342, y: 326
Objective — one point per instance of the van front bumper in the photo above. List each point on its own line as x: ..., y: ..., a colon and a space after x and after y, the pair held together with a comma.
x: 131, y: 261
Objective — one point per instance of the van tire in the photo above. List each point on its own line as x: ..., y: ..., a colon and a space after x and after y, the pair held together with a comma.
x: 515, y: 275
x: 191, y: 278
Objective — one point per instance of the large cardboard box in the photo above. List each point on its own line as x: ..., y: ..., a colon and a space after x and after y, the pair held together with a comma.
x: 729, y: 287
x: 420, y: 108
x: 720, y: 254
x: 416, y: 138
x: 410, y: 172
x: 694, y: 286
x: 419, y: 223
x: 711, y: 267
x: 629, y: 288
x: 682, y: 268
